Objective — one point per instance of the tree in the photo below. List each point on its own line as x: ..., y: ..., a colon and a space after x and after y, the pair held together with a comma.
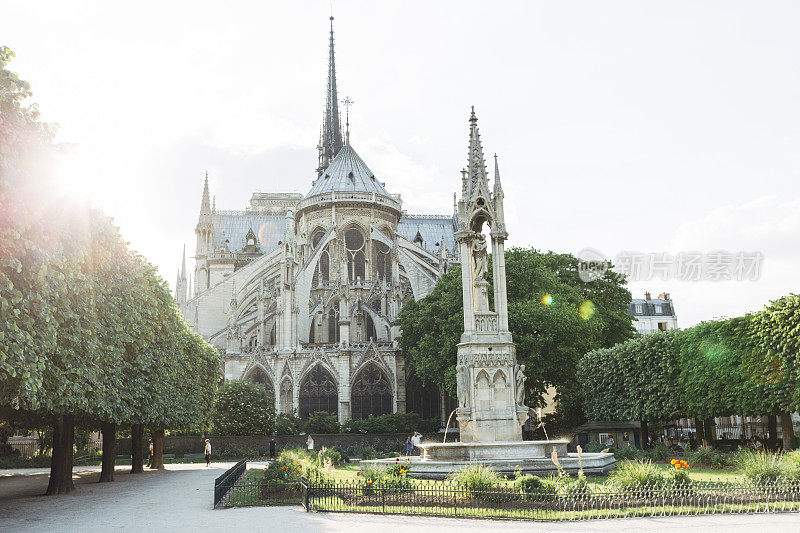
x: 554, y: 318
x: 778, y: 330
x: 244, y: 408
x: 738, y: 366
x: 89, y: 333
x: 633, y: 380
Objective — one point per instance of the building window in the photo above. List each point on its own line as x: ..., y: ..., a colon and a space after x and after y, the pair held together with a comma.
x: 662, y: 326
x: 383, y: 261
x: 371, y: 393
x: 259, y: 376
x: 658, y: 309
x: 638, y: 309
x: 318, y: 392
x: 603, y: 438
x: 356, y: 260
x: 333, y: 326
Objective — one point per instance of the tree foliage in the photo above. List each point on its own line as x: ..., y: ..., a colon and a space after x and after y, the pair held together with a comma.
x: 739, y: 366
x: 244, y: 408
x: 554, y: 318
x: 89, y: 333
x: 633, y: 380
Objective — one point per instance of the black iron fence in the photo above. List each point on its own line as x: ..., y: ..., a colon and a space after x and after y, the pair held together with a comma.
x: 573, y: 502
x: 239, y: 487
x: 224, y: 483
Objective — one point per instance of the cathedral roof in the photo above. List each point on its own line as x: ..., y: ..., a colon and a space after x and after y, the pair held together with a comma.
x: 432, y: 229
x: 347, y: 172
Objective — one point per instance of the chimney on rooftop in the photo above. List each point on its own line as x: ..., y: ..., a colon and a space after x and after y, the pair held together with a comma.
x: 647, y: 296
x: 664, y: 296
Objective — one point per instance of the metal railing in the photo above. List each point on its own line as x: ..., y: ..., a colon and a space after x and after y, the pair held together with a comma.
x: 246, y: 491
x: 567, y: 502
x: 224, y: 483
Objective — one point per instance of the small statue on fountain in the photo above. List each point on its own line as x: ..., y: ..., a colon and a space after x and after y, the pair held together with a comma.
x: 520, y: 377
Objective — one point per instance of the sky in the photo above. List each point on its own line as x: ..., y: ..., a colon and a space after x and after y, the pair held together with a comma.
x: 620, y: 126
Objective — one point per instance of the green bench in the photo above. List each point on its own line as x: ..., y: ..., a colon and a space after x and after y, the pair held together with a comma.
x: 193, y: 456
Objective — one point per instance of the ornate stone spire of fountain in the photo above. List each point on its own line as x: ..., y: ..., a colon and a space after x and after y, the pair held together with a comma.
x: 489, y: 379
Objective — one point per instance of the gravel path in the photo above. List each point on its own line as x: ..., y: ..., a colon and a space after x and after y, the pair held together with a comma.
x: 180, y: 499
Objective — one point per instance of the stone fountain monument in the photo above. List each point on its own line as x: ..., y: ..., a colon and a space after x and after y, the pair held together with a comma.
x: 490, y: 384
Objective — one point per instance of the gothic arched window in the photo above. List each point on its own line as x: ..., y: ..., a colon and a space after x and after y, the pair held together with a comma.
x: 317, y: 237
x: 322, y: 272
x: 333, y: 326
x: 259, y: 376
x: 371, y: 333
x: 383, y: 261
x: 318, y: 392
x: 356, y: 260
x: 371, y: 393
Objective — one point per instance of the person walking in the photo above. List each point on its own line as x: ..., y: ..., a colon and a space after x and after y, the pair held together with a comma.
x: 310, y: 444
x: 208, y: 452
x: 149, y: 453
x: 409, y: 446
x: 272, y: 448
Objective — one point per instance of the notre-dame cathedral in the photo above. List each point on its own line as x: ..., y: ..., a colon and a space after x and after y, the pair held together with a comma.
x: 301, y: 293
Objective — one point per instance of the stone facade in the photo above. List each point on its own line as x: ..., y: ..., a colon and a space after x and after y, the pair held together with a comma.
x: 302, y: 293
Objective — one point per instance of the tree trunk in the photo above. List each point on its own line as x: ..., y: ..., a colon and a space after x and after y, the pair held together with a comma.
x: 61, y: 462
x: 644, y: 432
x: 158, y: 448
x: 700, y: 431
x: 772, y: 428
x: 708, y: 426
x: 109, y: 430
x: 788, y: 432
x: 137, y: 455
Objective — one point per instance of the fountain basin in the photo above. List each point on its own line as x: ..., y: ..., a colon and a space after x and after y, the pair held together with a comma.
x: 438, y: 460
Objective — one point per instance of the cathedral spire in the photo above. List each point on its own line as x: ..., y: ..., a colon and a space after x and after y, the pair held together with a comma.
x: 183, y: 264
x: 498, y: 188
x: 331, y: 128
x: 476, y: 171
x: 205, y: 205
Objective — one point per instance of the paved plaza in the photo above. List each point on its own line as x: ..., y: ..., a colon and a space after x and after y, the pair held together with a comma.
x: 180, y: 498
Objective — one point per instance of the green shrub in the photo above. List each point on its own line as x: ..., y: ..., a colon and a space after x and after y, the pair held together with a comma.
x: 243, y: 408
x: 659, y: 452
x: 392, y: 423
x: 286, y: 424
x: 236, y: 451
x: 679, y: 478
x: 632, y: 475
x: 594, y: 447
x: 761, y: 467
x: 574, y: 487
x: 706, y: 456
x: 291, y: 464
x: 476, y: 479
x: 330, y: 454
x: 322, y: 422
x: 628, y: 453
x: 365, y: 452
x: 392, y: 477
x: 534, y: 488
x: 791, y: 465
